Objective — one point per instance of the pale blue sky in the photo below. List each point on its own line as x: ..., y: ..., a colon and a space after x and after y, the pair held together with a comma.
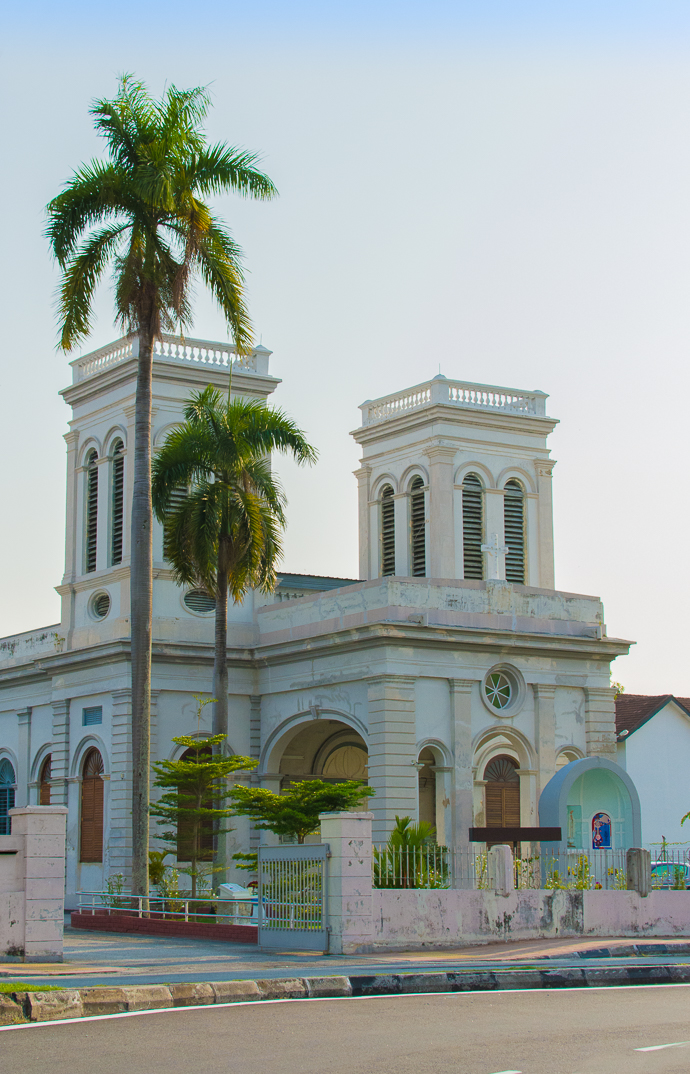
x: 499, y: 188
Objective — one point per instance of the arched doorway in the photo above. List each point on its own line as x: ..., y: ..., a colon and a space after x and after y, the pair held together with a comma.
x: 187, y: 831
x: 427, y: 787
x: 44, y: 783
x: 502, y: 793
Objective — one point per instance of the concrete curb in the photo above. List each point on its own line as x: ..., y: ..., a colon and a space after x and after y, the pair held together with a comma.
x: 22, y: 1007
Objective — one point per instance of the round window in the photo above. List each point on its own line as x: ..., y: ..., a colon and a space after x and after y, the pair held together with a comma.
x: 498, y: 690
x: 503, y: 690
x: 200, y: 602
x: 100, y: 605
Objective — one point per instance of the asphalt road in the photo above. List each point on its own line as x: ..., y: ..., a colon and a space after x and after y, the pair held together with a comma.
x: 583, y: 1031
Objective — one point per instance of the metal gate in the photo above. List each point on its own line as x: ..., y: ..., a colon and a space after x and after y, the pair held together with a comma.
x: 293, y: 897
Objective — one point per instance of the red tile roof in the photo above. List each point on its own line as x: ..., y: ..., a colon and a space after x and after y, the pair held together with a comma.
x: 632, y: 710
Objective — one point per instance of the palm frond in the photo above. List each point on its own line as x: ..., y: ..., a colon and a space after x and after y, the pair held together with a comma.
x: 80, y: 279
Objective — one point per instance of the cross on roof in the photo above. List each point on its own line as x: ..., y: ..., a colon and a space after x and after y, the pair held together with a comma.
x: 495, y: 562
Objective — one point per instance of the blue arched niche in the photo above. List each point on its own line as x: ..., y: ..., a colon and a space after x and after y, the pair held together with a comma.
x: 581, y: 790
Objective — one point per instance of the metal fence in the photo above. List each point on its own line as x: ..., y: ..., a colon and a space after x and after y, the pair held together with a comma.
x: 468, y: 868
x: 207, y: 908
x: 293, y: 890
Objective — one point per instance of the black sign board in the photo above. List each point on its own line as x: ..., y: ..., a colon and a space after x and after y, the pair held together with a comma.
x: 515, y: 835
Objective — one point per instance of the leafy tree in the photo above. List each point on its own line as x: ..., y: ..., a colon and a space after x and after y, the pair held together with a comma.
x: 296, y: 812
x: 142, y: 211
x: 195, y: 789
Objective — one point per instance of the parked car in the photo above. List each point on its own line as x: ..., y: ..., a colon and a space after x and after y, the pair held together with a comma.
x: 670, y: 874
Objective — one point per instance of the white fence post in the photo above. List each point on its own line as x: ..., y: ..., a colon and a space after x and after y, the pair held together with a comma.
x: 501, y: 869
x: 38, y: 833
x: 349, y: 881
x: 638, y: 867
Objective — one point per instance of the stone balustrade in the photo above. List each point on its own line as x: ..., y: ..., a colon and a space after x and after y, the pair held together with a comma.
x: 456, y: 393
x: 172, y: 349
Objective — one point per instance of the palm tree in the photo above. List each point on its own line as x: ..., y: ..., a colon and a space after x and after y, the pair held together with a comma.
x: 142, y: 212
x: 225, y: 534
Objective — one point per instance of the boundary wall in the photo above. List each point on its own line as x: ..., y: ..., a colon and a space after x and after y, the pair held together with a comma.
x: 32, y: 884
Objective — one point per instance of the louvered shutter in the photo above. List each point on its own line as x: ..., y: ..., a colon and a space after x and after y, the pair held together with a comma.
x: 91, y: 842
x: 502, y: 794
x: 118, y: 503
x: 7, y: 778
x: 472, y: 527
x: 177, y: 498
x: 91, y: 511
x: 418, y: 528
x: 514, y: 521
x: 387, y: 532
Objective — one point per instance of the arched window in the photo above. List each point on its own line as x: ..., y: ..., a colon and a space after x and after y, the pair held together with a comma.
x: 7, y: 780
x: 185, y: 826
x: 472, y: 527
x: 502, y: 793
x: 514, y: 521
x: 91, y: 842
x: 118, y: 490
x: 387, y: 531
x: 418, y: 528
x: 91, y: 510
x: 44, y: 783
x: 427, y: 787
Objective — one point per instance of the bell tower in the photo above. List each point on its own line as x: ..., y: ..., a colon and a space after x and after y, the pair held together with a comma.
x: 455, y: 483
x: 95, y: 585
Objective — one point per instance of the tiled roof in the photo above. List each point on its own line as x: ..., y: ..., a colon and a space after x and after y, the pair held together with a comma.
x: 632, y: 710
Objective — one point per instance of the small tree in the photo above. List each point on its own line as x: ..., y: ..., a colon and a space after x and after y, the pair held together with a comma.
x: 296, y: 812
x: 195, y: 787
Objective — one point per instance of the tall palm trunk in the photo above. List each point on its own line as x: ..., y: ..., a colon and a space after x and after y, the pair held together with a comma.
x: 220, y: 689
x: 141, y: 598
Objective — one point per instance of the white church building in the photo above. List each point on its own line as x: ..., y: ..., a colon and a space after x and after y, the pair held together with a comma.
x: 452, y: 673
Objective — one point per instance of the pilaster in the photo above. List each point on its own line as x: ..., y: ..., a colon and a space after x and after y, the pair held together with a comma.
x: 461, y: 741
x: 72, y: 441
x: 600, y: 722
x: 363, y: 475
x: 59, y: 757
x: 441, y: 550
x: 545, y: 731
x: 23, y: 757
x: 494, y: 522
x: 544, y: 468
x: 392, y: 751
x: 401, y: 508
x: 254, y: 751
x: 120, y: 837
x: 103, y: 514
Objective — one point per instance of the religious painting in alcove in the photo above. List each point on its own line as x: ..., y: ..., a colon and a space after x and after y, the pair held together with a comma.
x: 601, y: 831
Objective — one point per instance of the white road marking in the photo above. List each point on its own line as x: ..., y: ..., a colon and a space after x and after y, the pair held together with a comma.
x: 660, y: 1047
x: 508, y: 1072
x: 339, y: 999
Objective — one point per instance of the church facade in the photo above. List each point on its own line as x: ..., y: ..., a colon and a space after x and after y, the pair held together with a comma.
x: 452, y: 674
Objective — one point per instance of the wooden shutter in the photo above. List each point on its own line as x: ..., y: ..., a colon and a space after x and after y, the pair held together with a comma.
x: 418, y: 528
x: 387, y: 532
x: 514, y: 521
x: 472, y: 527
x: 44, y: 788
x: 177, y: 498
x: 91, y: 842
x: 91, y: 511
x: 118, y: 503
x: 502, y: 794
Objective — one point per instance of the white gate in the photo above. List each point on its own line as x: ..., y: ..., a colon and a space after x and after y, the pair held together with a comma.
x: 293, y: 897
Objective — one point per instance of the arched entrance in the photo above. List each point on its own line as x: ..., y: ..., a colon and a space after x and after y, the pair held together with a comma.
x: 324, y: 749
x: 427, y: 787
x: 502, y: 793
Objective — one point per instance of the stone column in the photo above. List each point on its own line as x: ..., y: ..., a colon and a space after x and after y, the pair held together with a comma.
x: 42, y: 831
x: 348, y: 836
x: 532, y: 576
x: 461, y: 741
x: 59, y: 755
x: 459, y: 537
x: 545, y: 731
x: 23, y: 756
x: 401, y: 507
x: 441, y: 544
x: 120, y: 835
x: 392, y: 751
x: 544, y: 468
x: 363, y: 475
x: 600, y: 722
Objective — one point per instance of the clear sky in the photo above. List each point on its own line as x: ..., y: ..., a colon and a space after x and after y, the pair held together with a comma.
x: 501, y: 189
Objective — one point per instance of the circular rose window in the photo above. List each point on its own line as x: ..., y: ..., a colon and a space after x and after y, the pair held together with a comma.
x: 499, y: 692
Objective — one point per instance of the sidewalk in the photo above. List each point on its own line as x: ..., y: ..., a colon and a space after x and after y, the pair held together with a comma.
x: 93, y: 958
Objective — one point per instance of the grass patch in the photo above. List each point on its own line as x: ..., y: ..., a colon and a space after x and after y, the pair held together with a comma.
x: 7, y: 987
